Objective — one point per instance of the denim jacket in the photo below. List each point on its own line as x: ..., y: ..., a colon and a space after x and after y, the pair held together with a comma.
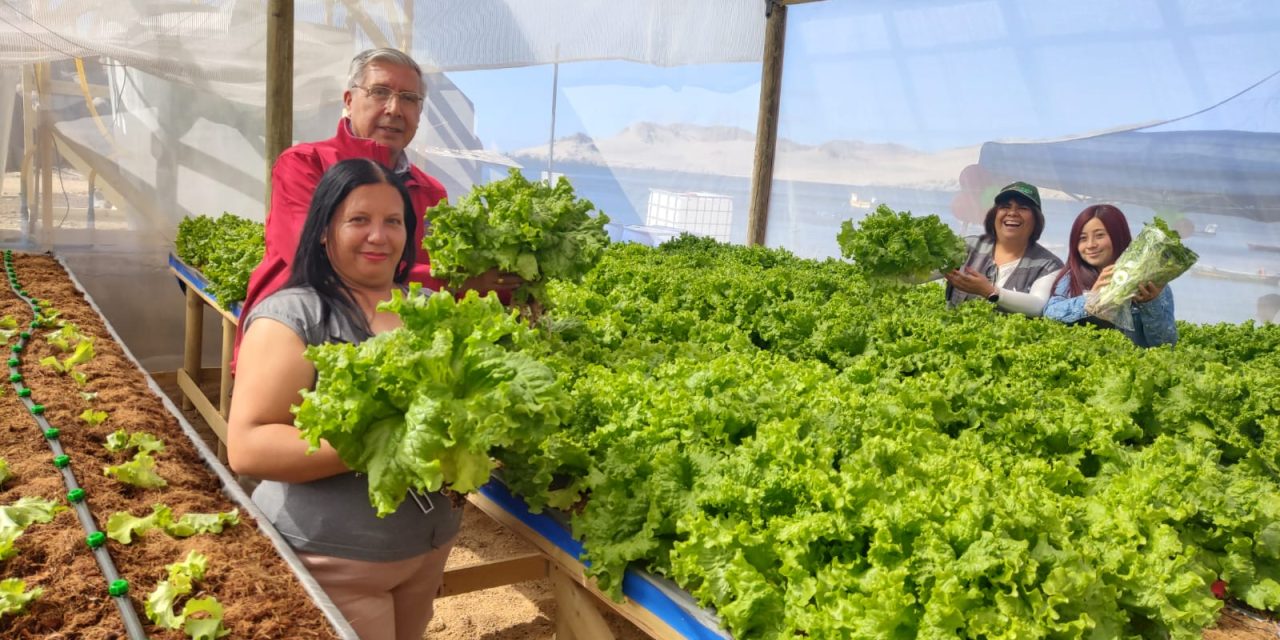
x: 1153, y: 323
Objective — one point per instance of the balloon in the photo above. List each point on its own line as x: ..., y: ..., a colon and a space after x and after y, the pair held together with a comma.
x: 968, y: 207
x: 988, y: 197
x: 975, y: 178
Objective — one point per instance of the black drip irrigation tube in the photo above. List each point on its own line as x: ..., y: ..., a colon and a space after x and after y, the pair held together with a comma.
x: 117, y: 587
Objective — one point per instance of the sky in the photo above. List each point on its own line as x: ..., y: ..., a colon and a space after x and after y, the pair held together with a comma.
x: 928, y: 74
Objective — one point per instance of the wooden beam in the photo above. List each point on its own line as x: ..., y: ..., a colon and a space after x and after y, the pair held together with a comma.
x: 118, y: 188
x: 193, y: 337
x: 192, y: 392
x: 576, y: 615
x: 496, y: 573
x: 767, y: 122
x: 279, y: 135
x: 29, y: 189
x: 224, y: 378
x: 573, y: 569
x: 46, y: 156
x: 62, y: 87
x: 356, y: 12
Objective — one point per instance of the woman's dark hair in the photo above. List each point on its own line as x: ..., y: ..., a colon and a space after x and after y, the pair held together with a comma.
x: 1083, y: 274
x: 989, y: 223
x: 311, y: 266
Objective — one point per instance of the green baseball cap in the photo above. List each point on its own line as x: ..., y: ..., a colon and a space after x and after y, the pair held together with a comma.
x: 1028, y: 191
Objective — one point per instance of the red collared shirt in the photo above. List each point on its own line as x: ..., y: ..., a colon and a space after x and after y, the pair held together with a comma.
x: 293, y: 180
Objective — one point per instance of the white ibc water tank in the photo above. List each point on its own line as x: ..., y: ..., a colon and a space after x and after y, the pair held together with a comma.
x: 704, y: 214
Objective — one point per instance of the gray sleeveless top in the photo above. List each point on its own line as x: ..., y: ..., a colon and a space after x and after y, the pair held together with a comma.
x: 1037, y: 261
x: 332, y: 516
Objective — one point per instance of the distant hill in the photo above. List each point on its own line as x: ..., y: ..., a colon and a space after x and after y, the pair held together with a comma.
x: 729, y: 151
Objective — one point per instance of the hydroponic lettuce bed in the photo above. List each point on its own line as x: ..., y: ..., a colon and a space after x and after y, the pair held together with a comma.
x: 260, y: 594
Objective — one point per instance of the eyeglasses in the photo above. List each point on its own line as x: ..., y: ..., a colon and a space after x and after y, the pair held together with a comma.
x: 382, y: 95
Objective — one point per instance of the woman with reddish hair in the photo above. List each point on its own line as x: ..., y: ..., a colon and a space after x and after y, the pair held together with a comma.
x: 1098, y: 236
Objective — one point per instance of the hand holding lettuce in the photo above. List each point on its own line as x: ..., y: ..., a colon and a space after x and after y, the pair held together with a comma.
x: 1156, y: 255
x: 421, y: 407
x: 530, y: 229
x: 895, y: 245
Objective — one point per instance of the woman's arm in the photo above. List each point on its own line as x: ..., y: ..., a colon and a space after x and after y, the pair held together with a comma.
x: 1062, y: 308
x: 261, y: 439
x: 1031, y: 303
x: 1156, y: 325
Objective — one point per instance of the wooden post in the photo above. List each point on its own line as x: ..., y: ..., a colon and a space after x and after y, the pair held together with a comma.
x: 279, y: 84
x: 45, y: 155
x: 193, y: 337
x: 767, y: 122
x: 224, y: 382
x: 576, y: 615
x: 30, y: 192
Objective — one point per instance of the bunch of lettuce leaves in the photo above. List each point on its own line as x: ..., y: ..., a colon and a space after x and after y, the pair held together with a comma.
x: 14, y: 596
x: 201, y: 618
x: 122, y: 525
x: 421, y: 406
x: 531, y: 229
x: 896, y: 245
x: 225, y: 249
x: 814, y: 455
x: 1156, y: 255
x: 16, y: 517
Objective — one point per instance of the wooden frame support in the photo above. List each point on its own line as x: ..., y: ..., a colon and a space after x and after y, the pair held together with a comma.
x: 224, y: 381
x: 573, y: 602
x: 190, y: 375
x: 279, y: 127
x: 767, y: 121
x: 193, y: 334
x: 498, y: 573
x: 576, y: 615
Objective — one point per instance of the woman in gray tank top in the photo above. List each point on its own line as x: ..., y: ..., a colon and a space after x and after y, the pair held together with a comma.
x: 382, y: 573
x: 1006, y: 265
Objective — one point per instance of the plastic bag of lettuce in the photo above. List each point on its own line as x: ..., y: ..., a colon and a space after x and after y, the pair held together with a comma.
x: 534, y: 230
x: 1156, y: 255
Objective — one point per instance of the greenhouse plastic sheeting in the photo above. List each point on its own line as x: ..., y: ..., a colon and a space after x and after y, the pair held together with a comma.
x: 157, y: 109
x: 1160, y: 108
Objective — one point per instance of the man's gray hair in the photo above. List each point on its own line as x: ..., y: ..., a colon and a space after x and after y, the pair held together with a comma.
x: 389, y: 56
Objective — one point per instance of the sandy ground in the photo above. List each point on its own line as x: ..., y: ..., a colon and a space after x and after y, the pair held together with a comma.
x: 525, y: 611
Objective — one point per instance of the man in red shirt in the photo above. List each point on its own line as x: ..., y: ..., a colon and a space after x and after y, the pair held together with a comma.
x: 384, y: 98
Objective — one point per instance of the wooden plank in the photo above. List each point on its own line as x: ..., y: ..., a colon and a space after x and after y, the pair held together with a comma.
x: 646, y: 620
x: 62, y: 87
x: 356, y: 11
x: 576, y: 613
x: 279, y: 132
x: 224, y: 379
x: 191, y: 391
x: 192, y: 336
x: 767, y: 122
x: 45, y: 152
x: 496, y: 573
x: 119, y: 189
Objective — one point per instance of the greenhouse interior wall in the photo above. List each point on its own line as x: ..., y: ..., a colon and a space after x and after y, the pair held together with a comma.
x: 126, y: 118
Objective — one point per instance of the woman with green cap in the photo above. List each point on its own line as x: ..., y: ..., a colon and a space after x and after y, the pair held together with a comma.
x: 1006, y: 265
